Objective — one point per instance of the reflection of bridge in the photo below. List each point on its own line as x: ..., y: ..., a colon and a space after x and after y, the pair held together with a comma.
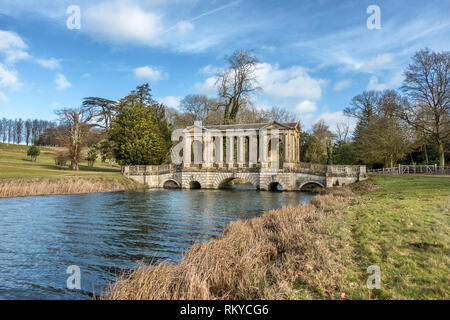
x: 265, y: 155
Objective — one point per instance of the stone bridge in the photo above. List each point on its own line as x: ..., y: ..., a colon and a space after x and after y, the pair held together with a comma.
x: 299, y: 177
x: 267, y: 155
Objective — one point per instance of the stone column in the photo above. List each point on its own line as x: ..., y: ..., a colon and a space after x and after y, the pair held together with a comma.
x: 274, y: 148
x: 291, y: 148
x: 219, y: 150
x: 241, y: 150
x: 207, y: 150
x: 263, y: 148
x: 230, y: 150
x: 187, y: 150
x: 253, y: 150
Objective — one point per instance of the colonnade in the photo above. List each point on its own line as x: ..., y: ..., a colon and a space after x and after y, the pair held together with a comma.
x: 269, y: 146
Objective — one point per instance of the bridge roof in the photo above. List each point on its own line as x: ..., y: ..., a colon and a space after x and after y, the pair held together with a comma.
x: 255, y: 126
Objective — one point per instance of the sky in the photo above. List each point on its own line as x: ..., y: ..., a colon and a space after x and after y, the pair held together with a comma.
x: 314, y: 55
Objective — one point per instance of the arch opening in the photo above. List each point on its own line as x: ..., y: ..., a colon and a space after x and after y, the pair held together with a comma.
x: 195, y: 185
x: 310, y: 186
x: 237, y: 184
x: 275, y: 186
x: 171, y: 184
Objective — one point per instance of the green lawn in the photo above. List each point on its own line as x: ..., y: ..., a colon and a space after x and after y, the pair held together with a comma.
x: 14, y: 163
x: 404, y: 228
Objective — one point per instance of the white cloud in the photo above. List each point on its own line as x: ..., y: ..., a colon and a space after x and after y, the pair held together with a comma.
x: 86, y: 75
x: 208, y: 87
x: 148, y: 73
x: 292, y: 88
x: 184, y: 27
x: 209, y: 70
x: 51, y: 63
x: 3, y: 97
x: 306, y: 106
x: 61, y: 82
x: 379, y: 62
x: 171, y: 101
x: 293, y: 82
x: 12, y: 47
x: 392, y: 83
x: 332, y: 119
x: 123, y: 22
x: 8, y: 78
x: 358, y: 49
x: 342, y: 85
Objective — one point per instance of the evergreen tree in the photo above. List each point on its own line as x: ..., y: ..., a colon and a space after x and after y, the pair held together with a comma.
x: 136, y: 136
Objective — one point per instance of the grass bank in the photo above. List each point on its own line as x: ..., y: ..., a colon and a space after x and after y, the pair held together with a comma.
x: 318, y: 251
x: 19, y: 176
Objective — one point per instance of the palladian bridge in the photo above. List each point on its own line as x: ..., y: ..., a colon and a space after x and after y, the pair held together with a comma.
x: 267, y: 155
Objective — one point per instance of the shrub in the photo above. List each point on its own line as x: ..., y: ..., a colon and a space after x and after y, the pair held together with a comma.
x: 61, y: 159
x: 91, y: 156
x: 33, y: 152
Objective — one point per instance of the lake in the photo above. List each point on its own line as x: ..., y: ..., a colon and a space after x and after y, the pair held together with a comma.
x: 106, y: 233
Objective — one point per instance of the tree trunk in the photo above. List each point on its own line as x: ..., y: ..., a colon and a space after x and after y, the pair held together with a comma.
x: 74, y: 166
x: 441, y: 153
x: 426, y: 153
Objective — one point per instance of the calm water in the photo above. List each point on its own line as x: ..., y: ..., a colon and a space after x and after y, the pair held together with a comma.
x: 109, y: 232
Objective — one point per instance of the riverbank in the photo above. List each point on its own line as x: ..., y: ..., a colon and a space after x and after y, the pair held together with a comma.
x: 318, y: 251
x: 19, y: 176
x: 23, y: 187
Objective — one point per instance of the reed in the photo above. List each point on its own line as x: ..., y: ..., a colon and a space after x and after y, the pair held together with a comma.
x: 21, y: 187
x: 287, y: 253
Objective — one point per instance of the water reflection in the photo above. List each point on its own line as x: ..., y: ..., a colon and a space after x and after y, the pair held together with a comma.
x: 109, y: 232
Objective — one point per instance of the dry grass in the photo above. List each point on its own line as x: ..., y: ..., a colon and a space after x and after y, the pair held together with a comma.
x: 287, y: 253
x: 62, y: 185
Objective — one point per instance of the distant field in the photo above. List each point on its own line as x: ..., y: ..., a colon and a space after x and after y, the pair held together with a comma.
x: 14, y: 163
x: 19, y: 176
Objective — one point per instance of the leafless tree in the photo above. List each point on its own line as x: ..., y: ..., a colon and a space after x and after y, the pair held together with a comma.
x: 76, y: 123
x: 282, y: 115
x: 427, y: 85
x: 237, y: 83
x: 199, y: 106
x: 342, y: 131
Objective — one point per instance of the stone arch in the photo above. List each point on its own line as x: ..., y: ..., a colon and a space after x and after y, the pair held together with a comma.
x: 223, y: 178
x: 273, y: 186
x: 194, y: 184
x: 171, y: 184
x: 201, y: 178
x: 311, y: 182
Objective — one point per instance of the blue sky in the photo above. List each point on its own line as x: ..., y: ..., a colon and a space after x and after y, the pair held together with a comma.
x: 314, y: 55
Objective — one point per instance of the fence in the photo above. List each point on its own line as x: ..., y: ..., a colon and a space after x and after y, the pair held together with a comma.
x: 404, y: 169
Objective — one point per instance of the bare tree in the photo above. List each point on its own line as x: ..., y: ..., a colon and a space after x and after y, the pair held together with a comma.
x: 342, y: 131
x: 28, y: 126
x: 76, y: 125
x: 236, y: 83
x: 19, y: 131
x: 386, y: 138
x: 199, y: 106
x: 282, y: 115
x: 427, y: 81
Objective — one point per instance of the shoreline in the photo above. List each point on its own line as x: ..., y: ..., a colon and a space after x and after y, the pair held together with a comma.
x: 255, y: 258
x: 319, y: 250
x: 64, y: 185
